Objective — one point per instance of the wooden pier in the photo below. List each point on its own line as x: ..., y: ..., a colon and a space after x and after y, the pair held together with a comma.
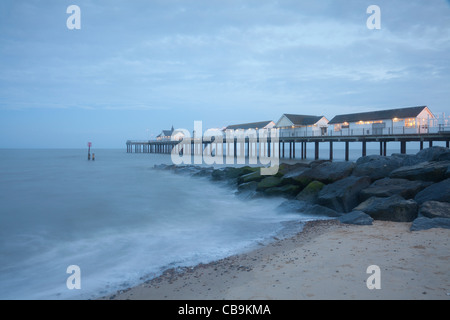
x: 269, y: 147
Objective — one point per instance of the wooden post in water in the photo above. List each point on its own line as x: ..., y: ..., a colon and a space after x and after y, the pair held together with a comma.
x: 89, y: 150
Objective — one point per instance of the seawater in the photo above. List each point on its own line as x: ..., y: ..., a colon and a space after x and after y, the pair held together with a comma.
x: 118, y: 219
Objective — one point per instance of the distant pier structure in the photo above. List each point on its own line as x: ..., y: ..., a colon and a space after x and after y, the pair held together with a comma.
x: 296, y: 132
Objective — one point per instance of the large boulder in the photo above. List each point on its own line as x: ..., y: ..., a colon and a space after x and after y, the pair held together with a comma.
x: 288, y: 190
x: 232, y: 173
x: 424, y: 223
x: 376, y: 167
x: 342, y: 195
x: 435, y: 209
x: 292, y: 206
x: 438, y: 192
x: 310, y: 192
x: 268, y: 182
x: 388, y: 187
x: 356, y: 217
x: 426, y: 171
x: 296, y: 177
x: 433, y: 154
x: 318, y: 210
x: 305, y: 208
x: 286, y: 168
x: 249, y: 177
x: 316, y: 163
x: 406, y: 159
x: 201, y: 172
x: 329, y: 172
x: 394, y: 208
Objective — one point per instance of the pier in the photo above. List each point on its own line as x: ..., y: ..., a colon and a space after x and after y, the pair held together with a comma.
x: 286, y: 146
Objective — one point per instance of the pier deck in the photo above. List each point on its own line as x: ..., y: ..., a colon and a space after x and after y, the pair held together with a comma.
x: 271, y: 146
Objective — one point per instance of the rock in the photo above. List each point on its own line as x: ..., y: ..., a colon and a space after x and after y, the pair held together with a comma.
x: 229, y: 173
x: 315, y: 163
x: 303, y: 207
x: 318, y: 210
x: 268, y: 182
x: 292, y: 206
x: 376, y: 167
x: 249, y: 177
x: 438, y: 192
x: 424, y: 223
x: 433, y: 154
x: 164, y: 166
x: 388, y: 187
x: 406, y: 159
x: 356, y: 217
x: 329, y: 172
x: 288, y: 190
x: 342, y: 195
x: 447, y: 173
x: 426, y: 171
x: 203, y: 172
x: 394, y: 208
x: 295, y: 177
x: 286, y: 168
x: 248, y: 186
x: 310, y: 192
x: 435, y: 209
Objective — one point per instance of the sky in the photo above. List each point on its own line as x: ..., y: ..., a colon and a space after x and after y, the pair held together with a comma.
x: 136, y: 67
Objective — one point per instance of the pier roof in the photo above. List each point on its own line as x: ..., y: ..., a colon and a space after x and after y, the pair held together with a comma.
x: 252, y: 125
x: 410, y: 112
x: 302, y: 120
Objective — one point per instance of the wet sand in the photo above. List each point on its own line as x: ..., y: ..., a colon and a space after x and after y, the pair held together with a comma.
x: 327, y: 260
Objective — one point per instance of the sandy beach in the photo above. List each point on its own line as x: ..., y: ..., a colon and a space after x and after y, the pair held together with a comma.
x: 328, y: 260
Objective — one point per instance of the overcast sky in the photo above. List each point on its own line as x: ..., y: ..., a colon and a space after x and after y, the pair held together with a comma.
x: 136, y: 67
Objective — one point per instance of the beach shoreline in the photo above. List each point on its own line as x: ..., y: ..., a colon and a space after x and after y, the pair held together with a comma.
x: 326, y: 260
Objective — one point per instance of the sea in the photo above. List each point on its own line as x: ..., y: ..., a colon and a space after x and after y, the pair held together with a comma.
x: 118, y: 220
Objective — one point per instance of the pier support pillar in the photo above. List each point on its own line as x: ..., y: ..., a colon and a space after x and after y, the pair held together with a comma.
x: 346, y: 150
x: 331, y: 150
x: 364, y: 148
x: 430, y: 143
x: 447, y: 144
x: 293, y: 150
x: 402, y: 147
x: 304, y: 151
x: 316, y: 150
